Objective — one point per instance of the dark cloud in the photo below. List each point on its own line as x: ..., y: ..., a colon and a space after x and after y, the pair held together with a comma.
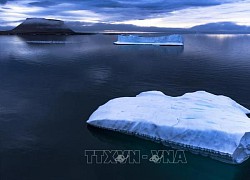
x: 107, y: 4
x: 43, y: 3
x: 123, y: 6
x: 3, y: 1
x: 102, y: 11
x: 140, y: 9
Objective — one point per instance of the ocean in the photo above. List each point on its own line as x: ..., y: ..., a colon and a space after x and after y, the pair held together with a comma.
x: 50, y: 85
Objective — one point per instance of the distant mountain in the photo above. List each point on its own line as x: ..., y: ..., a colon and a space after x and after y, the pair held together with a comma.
x: 42, y: 26
x: 221, y: 27
x: 33, y: 26
x: 104, y: 27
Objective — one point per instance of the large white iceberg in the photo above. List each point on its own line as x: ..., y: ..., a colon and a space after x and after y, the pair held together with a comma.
x: 200, y: 122
x: 171, y: 40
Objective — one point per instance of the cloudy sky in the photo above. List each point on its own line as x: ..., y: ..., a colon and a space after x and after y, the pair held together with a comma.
x: 159, y: 13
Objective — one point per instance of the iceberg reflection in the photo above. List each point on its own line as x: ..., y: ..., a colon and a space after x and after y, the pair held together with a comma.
x: 166, y: 50
x: 44, y: 39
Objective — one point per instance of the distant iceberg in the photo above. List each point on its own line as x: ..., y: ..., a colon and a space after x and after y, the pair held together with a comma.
x: 171, y: 40
x: 203, y: 123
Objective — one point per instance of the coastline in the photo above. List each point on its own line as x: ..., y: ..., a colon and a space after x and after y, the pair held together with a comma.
x: 118, y: 33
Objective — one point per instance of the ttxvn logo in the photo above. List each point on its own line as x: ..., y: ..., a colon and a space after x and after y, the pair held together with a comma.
x: 134, y: 156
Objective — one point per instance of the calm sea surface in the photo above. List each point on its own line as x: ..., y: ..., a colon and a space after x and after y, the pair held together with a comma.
x: 48, y: 91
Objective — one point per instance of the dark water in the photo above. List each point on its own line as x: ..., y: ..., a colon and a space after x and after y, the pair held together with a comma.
x: 48, y: 91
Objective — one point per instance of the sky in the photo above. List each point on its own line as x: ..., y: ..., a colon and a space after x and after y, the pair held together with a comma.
x: 145, y: 13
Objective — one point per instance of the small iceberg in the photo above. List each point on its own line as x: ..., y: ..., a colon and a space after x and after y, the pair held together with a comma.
x: 171, y: 40
x: 201, y: 122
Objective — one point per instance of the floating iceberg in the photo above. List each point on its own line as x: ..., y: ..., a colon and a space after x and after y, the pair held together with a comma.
x: 200, y: 122
x: 171, y: 40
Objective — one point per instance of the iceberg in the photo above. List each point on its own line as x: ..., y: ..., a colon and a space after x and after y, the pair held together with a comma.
x: 171, y: 40
x: 200, y: 122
